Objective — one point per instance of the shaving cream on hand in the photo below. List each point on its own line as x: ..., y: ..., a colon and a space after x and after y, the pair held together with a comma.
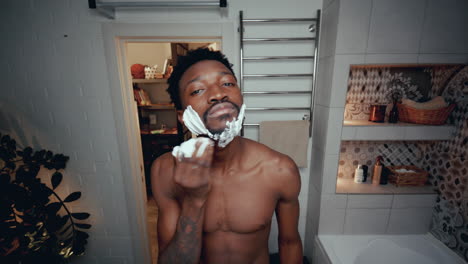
x: 187, y: 148
x: 194, y: 123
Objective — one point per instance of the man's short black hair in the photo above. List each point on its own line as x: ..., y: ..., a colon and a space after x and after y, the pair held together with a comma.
x: 184, y: 62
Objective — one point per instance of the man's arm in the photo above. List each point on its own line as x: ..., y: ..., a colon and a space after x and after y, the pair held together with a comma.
x: 287, y: 213
x: 180, y: 221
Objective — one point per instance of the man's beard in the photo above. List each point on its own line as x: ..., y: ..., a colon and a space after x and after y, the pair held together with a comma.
x: 223, y: 117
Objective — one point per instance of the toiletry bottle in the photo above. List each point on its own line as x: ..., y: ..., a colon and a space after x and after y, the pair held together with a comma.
x: 359, y: 174
x: 393, y: 115
x: 365, y: 169
x: 384, y: 176
x: 377, y: 171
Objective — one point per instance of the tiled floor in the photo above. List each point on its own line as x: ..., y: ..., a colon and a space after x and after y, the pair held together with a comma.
x: 152, y: 228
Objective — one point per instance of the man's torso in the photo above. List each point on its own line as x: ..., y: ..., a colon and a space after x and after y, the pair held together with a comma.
x: 239, y: 208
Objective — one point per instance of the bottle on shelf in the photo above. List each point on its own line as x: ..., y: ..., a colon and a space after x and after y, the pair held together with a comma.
x: 393, y: 116
x: 376, y: 177
x: 359, y: 174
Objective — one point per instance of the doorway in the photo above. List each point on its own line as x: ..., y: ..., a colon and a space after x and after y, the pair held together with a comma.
x: 150, y: 64
x: 125, y: 110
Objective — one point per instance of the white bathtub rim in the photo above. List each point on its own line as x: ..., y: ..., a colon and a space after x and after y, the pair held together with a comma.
x: 326, y: 243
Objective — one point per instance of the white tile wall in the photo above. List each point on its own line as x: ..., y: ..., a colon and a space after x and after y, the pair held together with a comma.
x: 319, y: 127
x: 398, y: 58
x: 445, y: 27
x: 324, y: 80
x: 380, y: 32
x: 413, y: 201
x: 330, y: 171
x: 336, y: 201
x: 366, y: 221
x: 443, y: 58
x: 328, y: 29
x: 395, y: 26
x: 335, y: 123
x: 331, y: 221
x: 353, y: 26
x: 409, y: 221
x: 370, y: 201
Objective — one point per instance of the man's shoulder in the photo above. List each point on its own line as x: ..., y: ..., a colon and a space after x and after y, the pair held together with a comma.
x: 268, y: 156
x: 162, y: 165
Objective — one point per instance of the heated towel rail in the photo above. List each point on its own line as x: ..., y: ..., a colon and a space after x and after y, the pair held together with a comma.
x: 314, y: 27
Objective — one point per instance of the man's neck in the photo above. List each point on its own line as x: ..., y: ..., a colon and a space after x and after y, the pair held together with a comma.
x: 224, y: 157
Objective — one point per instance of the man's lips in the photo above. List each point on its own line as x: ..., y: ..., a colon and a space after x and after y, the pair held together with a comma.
x: 221, y: 109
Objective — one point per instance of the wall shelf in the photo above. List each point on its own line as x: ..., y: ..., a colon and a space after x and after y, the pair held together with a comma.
x: 158, y: 106
x: 149, y: 80
x: 348, y: 186
x: 363, y: 130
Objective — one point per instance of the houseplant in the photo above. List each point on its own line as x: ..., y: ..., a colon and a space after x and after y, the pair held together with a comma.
x: 36, y: 224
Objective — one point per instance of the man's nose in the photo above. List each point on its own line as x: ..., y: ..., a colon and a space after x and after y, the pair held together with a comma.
x: 217, y: 94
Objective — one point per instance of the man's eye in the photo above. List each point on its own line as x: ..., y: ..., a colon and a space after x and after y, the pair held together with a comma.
x: 196, y: 92
x: 228, y: 84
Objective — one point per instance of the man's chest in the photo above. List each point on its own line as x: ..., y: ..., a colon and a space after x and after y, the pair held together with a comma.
x: 239, y: 204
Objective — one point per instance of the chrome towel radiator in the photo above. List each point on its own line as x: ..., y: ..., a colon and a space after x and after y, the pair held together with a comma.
x: 313, y: 28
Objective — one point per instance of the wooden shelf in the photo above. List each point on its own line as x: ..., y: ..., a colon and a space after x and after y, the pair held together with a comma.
x: 363, y: 130
x: 348, y: 186
x: 158, y: 106
x: 149, y: 80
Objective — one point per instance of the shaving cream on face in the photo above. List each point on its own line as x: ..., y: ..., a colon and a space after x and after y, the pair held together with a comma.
x: 187, y: 148
x: 194, y: 123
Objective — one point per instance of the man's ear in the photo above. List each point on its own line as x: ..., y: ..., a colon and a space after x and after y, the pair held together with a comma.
x: 180, y: 115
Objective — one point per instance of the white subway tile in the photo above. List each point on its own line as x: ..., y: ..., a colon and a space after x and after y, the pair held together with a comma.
x: 353, y: 26
x: 330, y: 172
x: 336, y: 201
x: 366, y: 221
x: 410, y: 221
x: 370, y: 201
x: 331, y: 221
x: 334, y: 126
x: 413, y: 200
x: 395, y: 26
x: 444, y: 29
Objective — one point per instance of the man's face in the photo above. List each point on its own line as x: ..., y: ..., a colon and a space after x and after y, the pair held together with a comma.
x: 211, y: 89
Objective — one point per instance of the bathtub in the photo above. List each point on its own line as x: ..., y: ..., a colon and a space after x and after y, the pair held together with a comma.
x: 382, y: 249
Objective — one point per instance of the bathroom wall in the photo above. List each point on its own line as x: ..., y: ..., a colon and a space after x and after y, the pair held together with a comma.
x: 448, y: 167
x: 373, y: 32
x: 56, y: 95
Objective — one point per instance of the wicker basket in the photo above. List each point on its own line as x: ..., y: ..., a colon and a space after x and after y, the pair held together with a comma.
x: 416, y: 178
x: 426, y: 117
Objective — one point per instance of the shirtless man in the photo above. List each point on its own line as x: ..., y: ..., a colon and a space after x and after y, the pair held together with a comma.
x: 216, y: 202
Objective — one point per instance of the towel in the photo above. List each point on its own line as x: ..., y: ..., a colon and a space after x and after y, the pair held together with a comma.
x: 288, y: 137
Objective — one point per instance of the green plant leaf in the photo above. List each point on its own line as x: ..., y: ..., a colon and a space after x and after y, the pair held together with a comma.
x: 72, y: 197
x: 4, y: 179
x: 56, y: 179
x: 80, y: 216
x: 53, y: 208
x: 65, y: 229
x: 84, y: 226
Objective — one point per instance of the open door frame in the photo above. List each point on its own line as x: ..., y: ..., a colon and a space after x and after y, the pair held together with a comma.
x: 125, y: 112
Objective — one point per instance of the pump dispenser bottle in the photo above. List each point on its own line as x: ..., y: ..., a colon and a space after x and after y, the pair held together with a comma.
x: 377, y: 171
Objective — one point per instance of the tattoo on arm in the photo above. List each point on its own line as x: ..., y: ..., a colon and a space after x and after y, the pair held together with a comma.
x: 185, y: 247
